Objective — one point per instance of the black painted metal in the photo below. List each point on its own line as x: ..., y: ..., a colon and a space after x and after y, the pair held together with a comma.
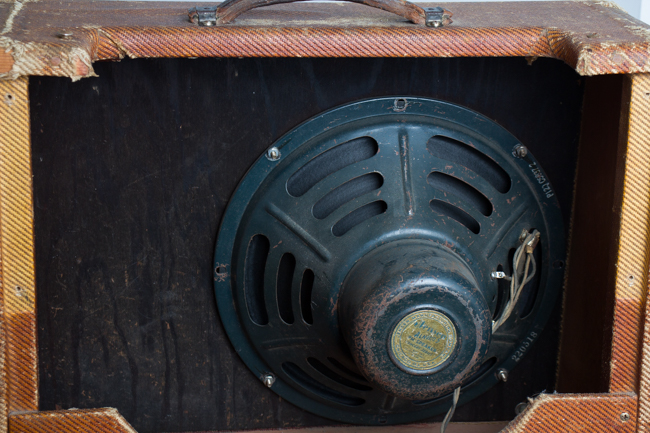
x: 450, y: 179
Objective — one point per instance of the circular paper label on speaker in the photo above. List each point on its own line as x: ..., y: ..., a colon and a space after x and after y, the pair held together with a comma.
x: 423, y: 340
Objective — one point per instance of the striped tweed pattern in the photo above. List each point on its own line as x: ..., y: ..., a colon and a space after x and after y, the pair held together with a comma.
x: 20, y: 368
x: 106, y: 420
x: 634, y: 243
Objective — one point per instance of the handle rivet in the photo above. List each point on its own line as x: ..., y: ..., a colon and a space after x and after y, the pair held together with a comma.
x: 64, y: 34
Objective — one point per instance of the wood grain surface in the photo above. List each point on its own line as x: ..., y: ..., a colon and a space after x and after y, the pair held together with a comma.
x: 132, y: 172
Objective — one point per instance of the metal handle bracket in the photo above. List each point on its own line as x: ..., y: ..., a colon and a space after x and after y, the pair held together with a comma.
x: 203, y: 16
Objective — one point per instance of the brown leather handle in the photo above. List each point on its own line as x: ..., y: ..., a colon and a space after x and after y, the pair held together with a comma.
x: 227, y: 11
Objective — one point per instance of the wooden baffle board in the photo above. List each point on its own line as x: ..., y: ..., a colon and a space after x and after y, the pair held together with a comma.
x: 125, y: 128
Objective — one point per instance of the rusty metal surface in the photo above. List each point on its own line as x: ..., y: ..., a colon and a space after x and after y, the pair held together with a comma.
x: 592, y: 37
x: 573, y: 413
x: 73, y: 420
x: 634, y: 244
x: 17, y: 251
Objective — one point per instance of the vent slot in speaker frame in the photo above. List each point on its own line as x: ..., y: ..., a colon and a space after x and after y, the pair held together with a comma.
x: 326, y: 371
x: 467, y: 193
x: 283, y: 287
x: 460, y: 153
x: 336, y: 363
x: 256, y: 255
x: 455, y: 213
x: 358, y: 216
x: 301, y: 378
x: 330, y: 162
x: 346, y: 192
x: 306, y: 286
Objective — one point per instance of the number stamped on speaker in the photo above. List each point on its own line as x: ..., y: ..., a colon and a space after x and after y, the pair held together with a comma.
x: 519, y: 353
x: 541, y: 179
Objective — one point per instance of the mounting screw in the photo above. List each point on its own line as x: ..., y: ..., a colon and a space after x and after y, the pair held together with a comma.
x: 273, y: 154
x: 434, y: 17
x: 502, y: 374
x: 268, y: 380
x: 64, y: 34
x: 520, y: 151
x: 625, y: 417
x: 521, y: 407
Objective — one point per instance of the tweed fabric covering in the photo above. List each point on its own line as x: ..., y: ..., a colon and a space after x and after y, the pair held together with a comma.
x: 74, y: 420
x: 644, y: 382
x: 639, y: 130
x: 634, y: 244
x: 17, y: 252
x: 294, y: 42
x: 109, y: 420
x: 608, y: 42
x: 577, y: 413
x: 112, y: 34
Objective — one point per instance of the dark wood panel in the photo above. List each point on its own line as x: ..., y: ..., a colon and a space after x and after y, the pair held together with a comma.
x: 589, y: 306
x: 132, y: 171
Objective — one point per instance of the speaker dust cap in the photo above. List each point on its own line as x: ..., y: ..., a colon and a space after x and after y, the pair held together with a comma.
x: 353, y: 264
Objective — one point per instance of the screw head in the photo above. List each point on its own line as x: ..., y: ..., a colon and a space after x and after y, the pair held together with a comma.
x: 268, y: 380
x: 502, y: 374
x: 273, y: 154
x: 521, y: 407
x: 520, y: 151
x: 625, y: 417
x: 64, y: 34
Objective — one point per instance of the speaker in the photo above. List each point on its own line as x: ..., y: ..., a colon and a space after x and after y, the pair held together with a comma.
x: 265, y: 219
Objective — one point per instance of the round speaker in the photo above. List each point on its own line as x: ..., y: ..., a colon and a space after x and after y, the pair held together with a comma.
x: 385, y: 253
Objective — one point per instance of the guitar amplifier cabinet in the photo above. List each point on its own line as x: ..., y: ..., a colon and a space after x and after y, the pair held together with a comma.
x: 324, y: 217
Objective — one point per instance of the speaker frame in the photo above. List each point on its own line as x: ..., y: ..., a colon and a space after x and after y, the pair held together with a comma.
x: 625, y: 407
